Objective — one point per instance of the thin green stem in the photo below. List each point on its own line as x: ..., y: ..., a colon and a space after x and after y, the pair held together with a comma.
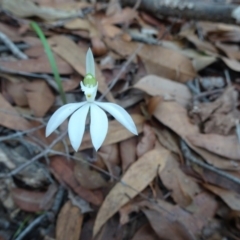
x: 51, y: 59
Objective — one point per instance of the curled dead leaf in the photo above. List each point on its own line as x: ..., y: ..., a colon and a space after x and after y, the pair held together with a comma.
x: 147, y: 142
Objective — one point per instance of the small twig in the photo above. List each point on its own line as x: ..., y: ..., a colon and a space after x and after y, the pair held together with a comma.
x: 46, y: 77
x: 20, y: 134
x: 122, y: 70
x: 189, y: 156
x: 12, y: 47
x: 228, y: 78
x: 143, y: 38
x: 22, y: 115
x: 204, y: 94
x: 238, y: 129
x: 58, y: 200
x: 32, y: 225
x: 43, y: 153
x: 21, y: 46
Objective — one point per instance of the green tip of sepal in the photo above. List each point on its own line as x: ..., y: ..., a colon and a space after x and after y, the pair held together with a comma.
x: 89, y: 80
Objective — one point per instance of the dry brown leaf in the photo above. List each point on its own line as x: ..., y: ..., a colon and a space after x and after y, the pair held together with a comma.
x: 116, y: 132
x: 169, y: 90
x: 75, y: 55
x: 10, y: 118
x: 40, y: 65
x: 110, y: 31
x: 89, y: 179
x: 167, y: 228
x: 98, y: 47
x: 128, y: 152
x: 112, y: 153
x: 10, y: 31
x: 17, y: 93
x: 82, y: 24
x: 145, y: 233
x: 200, y: 44
x: 30, y: 201
x: 204, y: 207
x: 175, y: 117
x: 158, y: 60
x: 226, y: 146
x: 63, y: 170
x: 126, y: 15
x: 232, y: 64
x: 169, y: 140
x: 221, y: 114
x: 71, y: 83
x: 138, y: 176
x: 229, y: 197
x: 25, y: 8
x: 109, y: 156
x: 183, y: 187
x: 40, y: 97
x: 152, y: 104
x: 232, y: 51
x: 35, y: 52
x: 147, y: 142
x: 69, y: 222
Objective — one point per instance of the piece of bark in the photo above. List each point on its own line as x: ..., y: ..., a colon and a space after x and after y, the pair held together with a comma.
x: 195, y: 10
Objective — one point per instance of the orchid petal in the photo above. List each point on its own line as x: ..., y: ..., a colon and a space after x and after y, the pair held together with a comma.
x: 90, y: 64
x: 60, y: 116
x: 98, y: 126
x: 120, y: 114
x: 76, y: 126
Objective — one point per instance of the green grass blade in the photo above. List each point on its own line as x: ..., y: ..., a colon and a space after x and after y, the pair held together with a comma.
x: 51, y: 59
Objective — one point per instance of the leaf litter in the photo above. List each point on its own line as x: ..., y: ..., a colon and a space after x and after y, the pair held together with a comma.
x: 178, y: 79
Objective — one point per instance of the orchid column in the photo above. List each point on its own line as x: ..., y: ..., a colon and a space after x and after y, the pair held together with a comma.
x: 79, y: 112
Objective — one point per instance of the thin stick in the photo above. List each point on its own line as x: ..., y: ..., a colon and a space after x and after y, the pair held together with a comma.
x: 46, y: 151
x: 20, y: 134
x: 122, y: 70
x: 189, y: 156
x: 12, y: 47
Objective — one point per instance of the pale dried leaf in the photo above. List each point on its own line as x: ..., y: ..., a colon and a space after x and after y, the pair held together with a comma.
x: 145, y: 233
x: 183, y: 187
x: 39, y: 65
x: 158, y: 60
x: 167, y: 228
x: 138, y: 176
x: 26, y: 8
x: 226, y: 146
x: 69, y: 222
x: 169, y: 90
x: 17, y: 93
x: 229, y: 197
x: 128, y: 152
x: 10, y: 118
x: 175, y: 117
x: 147, y: 142
x: 90, y: 179
x: 40, y: 97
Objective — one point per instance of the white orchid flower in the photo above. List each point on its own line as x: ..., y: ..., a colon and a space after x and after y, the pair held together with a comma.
x: 79, y: 112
